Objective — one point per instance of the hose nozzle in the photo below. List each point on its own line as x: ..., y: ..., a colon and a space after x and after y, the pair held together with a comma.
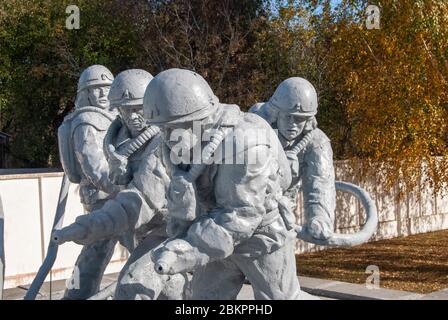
x: 72, y: 232
x: 165, y: 264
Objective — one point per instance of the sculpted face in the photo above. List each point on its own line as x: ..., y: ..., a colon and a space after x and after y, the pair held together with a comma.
x: 290, y: 126
x: 133, y: 118
x: 98, y: 96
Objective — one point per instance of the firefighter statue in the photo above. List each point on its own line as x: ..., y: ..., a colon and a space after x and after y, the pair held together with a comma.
x: 292, y: 111
x: 224, y: 216
x: 81, y: 138
x: 136, y: 215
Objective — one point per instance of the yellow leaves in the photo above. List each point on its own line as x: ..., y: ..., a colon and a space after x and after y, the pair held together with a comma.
x: 394, y: 96
x: 287, y: 14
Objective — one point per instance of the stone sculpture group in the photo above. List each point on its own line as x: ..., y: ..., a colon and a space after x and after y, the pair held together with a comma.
x: 200, y: 193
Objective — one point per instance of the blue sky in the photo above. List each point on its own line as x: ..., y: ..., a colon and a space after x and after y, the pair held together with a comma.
x: 334, y: 3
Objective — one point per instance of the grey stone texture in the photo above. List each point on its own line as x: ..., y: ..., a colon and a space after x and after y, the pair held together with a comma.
x: 291, y: 110
x: 231, y: 228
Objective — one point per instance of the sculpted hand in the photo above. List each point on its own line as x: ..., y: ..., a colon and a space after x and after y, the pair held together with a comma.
x: 182, y: 198
x: 119, y: 172
x: 320, y: 227
x: 176, y: 256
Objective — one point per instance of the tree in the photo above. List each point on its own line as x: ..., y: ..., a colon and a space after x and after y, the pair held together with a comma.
x: 392, y: 83
x: 382, y: 93
x: 212, y: 37
x: 43, y: 59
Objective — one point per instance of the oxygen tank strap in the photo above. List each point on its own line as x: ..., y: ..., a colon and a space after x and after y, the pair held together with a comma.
x: 208, y: 152
x: 136, y: 143
x: 303, y: 143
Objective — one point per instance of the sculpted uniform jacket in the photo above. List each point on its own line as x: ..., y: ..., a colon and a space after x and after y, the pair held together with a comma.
x: 88, y: 132
x: 315, y: 174
x: 315, y: 177
x: 239, y: 201
x: 136, y: 211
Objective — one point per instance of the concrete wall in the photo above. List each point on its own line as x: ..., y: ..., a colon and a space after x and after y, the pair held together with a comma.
x: 413, y: 213
x: 29, y: 204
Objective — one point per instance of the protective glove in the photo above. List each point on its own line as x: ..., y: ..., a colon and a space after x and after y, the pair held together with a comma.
x: 119, y: 172
x: 181, y: 197
x: 320, y: 227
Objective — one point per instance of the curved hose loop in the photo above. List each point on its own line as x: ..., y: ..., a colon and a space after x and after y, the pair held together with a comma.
x: 208, y: 152
x: 112, y: 132
x: 347, y: 240
x: 139, y: 141
x: 303, y: 143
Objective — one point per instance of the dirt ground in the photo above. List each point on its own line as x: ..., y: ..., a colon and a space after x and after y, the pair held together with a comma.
x: 417, y: 263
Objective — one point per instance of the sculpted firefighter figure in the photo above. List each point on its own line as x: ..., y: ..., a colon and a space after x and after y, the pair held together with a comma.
x: 136, y: 215
x: 292, y: 111
x: 81, y: 138
x: 225, y: 220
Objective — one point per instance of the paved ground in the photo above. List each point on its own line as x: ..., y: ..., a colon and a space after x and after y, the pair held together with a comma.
x: 323, y: 289
x: 55, y: 291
